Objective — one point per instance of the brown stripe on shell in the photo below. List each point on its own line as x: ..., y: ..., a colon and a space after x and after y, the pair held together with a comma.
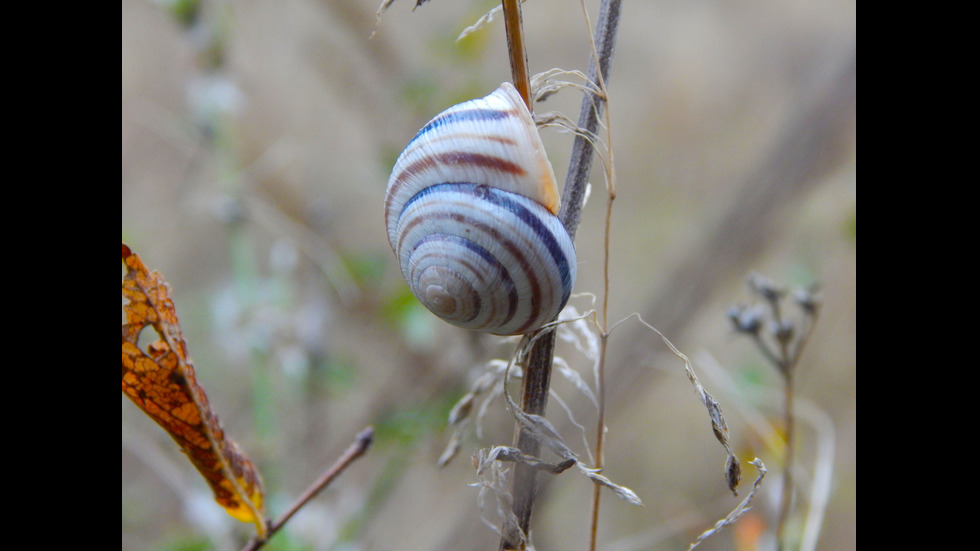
x: 451, y: 158
x: 481, y: 160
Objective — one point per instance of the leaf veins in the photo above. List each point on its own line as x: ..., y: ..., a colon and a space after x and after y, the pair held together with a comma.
x: 161, y: 381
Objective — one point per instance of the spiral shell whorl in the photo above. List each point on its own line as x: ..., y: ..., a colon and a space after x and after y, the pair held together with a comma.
x: 470, y: 211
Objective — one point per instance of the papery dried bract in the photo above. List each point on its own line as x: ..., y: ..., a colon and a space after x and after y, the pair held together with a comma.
x: 622, y: 492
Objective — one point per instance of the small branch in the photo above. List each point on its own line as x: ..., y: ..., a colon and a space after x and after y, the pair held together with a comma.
x: 360, y: 445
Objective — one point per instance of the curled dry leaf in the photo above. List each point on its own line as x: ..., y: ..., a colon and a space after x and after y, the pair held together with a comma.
x: 483, y: 458
x: 161, y: 381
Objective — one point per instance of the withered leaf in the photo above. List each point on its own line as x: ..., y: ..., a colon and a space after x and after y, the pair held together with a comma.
x: 161, y: 381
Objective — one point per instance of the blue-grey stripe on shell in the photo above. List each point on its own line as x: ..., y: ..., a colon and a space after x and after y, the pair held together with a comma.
x: 548, y: 267
x: 460, y: 116
x: 470, y: 210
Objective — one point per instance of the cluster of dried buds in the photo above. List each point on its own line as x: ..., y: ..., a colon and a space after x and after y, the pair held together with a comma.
x: 788, y: 335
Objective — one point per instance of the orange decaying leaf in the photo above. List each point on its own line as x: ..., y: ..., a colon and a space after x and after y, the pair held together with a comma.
x: 161, y: 381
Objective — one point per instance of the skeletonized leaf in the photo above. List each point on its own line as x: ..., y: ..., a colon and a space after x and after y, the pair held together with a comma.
x: 161, y: 381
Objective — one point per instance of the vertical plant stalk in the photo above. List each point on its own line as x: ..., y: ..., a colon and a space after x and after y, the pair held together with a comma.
x: 788, y: 343
x: 580, y: 164
x: 786, y: 499
x: 787, y: 364
x: 600, y: 436
x: 514, y: 26
x: 537, y: 380
x: 604, y: 44
x: 537, y: 372
x: 534, y: 399
x: 603, y: 345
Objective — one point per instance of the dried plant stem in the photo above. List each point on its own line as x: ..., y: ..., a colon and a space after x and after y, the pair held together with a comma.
x: 788, y: 343
x: 360, y: 445
x: 601, y: 375
x: 537, y: 374
x: 514, y: 26
x: 604, y: 43
x: 786, y: 499
x: 600, y: 439
x: 787, y: 364
x: 534, y: 399
x: 580, y: 163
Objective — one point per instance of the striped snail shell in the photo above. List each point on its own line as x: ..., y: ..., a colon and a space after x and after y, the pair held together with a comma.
x: 471, y: 211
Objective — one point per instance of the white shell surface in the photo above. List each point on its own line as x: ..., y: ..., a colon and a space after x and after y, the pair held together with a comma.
x: 490, y: 141
x: 470, y: 214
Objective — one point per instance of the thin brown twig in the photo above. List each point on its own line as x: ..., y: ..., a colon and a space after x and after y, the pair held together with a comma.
x: 604, y: 337
x: 600, y: 439
x: 514, y: 26
x: 601, y: 376
x: 360, y: 445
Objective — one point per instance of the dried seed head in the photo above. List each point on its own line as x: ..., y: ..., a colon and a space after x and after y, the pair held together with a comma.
x: 733, y: 473
x: 745, y: 319
x: 765, y: 288
x: 734, y: 313
x: 807, y: 301
x: 782, y: 332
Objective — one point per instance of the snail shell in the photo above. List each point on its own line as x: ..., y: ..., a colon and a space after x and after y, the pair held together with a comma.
x: 471, y: 211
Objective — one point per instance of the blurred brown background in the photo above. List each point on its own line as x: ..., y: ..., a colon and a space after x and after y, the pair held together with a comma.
x: 257, y: 138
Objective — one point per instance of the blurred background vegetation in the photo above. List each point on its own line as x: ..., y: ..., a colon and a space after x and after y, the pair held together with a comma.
x: 257, y: 139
